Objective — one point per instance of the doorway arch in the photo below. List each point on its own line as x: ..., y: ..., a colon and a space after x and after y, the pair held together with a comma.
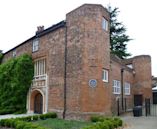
x: 38, y: 103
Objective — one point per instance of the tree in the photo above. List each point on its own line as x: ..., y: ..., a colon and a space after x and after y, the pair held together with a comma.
x: 1, y: 55
x: 118, y: 38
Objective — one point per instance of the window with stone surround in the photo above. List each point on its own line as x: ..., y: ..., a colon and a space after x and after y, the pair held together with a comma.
x: 104, y: 24
x: 105, y: 75
x: 40, y: 67
x: 116, y: 87
x: 35, y: 45
x: 127, y: 88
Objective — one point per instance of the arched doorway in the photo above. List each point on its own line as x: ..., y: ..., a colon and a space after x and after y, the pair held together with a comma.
x: 38, y: 103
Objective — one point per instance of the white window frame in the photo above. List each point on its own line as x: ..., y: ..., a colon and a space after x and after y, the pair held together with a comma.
x: 39, y: 67
x: 104, y: 24
x: 116, y: 87
x: 35, y: 45
x: 14, y: 53
x: 105, y: 75
x: 127, y: 88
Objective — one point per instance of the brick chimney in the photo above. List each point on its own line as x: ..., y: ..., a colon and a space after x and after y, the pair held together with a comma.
x: 39, y: 29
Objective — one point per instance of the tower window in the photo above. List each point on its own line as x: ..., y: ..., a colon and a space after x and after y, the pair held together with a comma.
x: 105, y: 75
x: 104, y: 24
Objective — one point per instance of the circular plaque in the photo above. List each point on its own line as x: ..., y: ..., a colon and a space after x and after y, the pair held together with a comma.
x: 92, y: 83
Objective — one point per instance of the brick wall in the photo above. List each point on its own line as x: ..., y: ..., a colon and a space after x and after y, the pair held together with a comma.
x: 116, y: 67
x: 88, y: 54
x: 143, y: 75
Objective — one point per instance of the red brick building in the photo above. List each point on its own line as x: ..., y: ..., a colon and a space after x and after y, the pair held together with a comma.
x: 74, y: 73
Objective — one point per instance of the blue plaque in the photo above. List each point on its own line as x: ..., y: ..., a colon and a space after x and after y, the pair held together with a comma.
x: 92, y: 83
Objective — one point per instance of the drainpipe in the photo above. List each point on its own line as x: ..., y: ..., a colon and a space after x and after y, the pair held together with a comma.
x: 122, y: 71
x: 65, y: 75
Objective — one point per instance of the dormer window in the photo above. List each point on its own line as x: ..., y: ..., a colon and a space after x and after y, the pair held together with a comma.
x: 14, y: 53
x: 35, y: 45
x: 104, y: 24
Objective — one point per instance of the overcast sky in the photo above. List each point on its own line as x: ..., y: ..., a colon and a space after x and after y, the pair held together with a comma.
x: 19, y: 19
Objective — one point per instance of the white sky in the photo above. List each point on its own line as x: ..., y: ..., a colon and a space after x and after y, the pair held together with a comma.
x: 19, y: 19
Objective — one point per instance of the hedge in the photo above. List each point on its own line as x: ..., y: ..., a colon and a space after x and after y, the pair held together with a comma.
x: 101, y: 122
x: 24, y: 122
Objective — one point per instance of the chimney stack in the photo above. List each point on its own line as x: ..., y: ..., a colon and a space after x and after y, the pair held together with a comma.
x: 39, y: 29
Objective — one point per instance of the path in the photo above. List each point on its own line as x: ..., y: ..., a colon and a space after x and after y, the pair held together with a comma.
x: 140, y: 122
x: 13, y: 116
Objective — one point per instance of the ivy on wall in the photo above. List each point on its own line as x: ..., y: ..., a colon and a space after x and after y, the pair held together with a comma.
x: 15, y: 79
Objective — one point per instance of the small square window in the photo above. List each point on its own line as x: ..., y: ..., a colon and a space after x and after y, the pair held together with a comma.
x: 14, y: 53
x: 105, y: 75
x: 35, y: 45
x: 105, y: 24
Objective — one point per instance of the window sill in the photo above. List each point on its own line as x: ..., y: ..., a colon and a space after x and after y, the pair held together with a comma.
x: 35, y: 51
x: 127, y: 94
x: 106, y: 81
x: 116, y: 93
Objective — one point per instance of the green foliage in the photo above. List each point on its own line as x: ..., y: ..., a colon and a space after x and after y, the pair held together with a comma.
x: 48, y: 115
x: 62, y: 124
x: 15, y: 79
x: 22, y: 123
x: 38, y: 117
x: 1, y: 57
x: 97, y: 118
x: 98, y: 125
x: 118, y: 38
x: 102, y: 122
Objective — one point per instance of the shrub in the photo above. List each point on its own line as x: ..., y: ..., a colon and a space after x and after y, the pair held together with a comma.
x: 27, y: 118
x: 51, y: 115
x: 102, y: 122
x: 42, y: 117
x: 35, y: 117
x: 24, y: 122
x: 8, y: 122
x: 97, y: 118
x: 20, y: 124
x: 98, y: 125
x: 48, y: 115
x: 2, y: 122
x: 110, y: 123
x: 118, y: 121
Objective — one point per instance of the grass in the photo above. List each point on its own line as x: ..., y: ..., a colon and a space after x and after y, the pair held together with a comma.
x: 62, y: 124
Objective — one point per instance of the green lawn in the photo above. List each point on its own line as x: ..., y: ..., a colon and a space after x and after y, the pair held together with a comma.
x: 62, y: 124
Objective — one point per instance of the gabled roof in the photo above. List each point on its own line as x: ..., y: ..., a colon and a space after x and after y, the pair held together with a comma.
x: 42, y: 33
x: 120, y: 61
